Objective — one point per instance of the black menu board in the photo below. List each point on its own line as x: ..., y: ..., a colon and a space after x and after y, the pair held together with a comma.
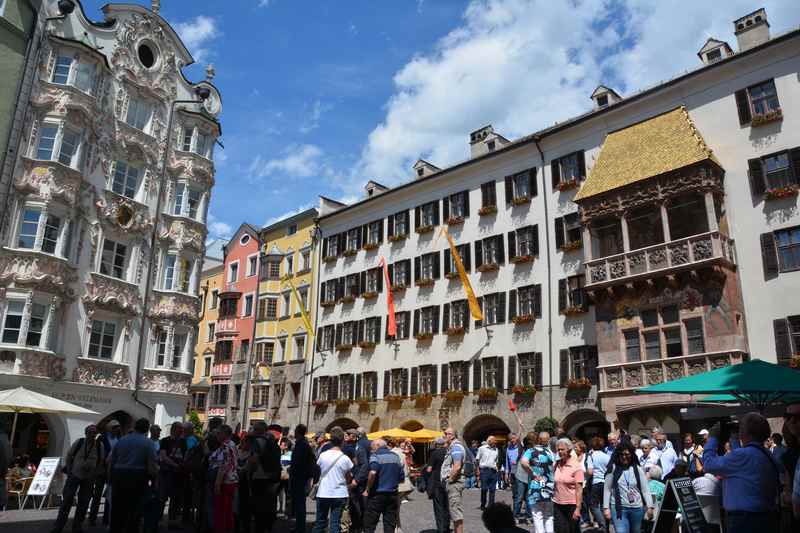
x: 680, y: 498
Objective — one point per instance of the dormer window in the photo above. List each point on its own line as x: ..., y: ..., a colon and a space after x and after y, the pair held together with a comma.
x: 713, y: 55
x: 602, y: 100
x: 420, y: 172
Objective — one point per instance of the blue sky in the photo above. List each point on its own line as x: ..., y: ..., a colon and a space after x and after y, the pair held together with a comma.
x: 319, y: 96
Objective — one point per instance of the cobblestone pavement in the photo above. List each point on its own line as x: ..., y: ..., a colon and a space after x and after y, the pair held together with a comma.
x: 415, y: 516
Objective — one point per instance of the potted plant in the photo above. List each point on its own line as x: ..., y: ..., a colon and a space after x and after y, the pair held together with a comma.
x: 487, y: 393
x: 393, y: 399
x: 330, y: 258
x: 567, y: 184
x: 571, y: 246
x: 519, y: 259
x: 488, y: 267
x: 519, y: 200
x: 452, y: 275
x: 427, y: 228
x: 454, y: 395
x: 398, y: 237
x: 457, y: 330
x: 776, y: 193
x: 344, y: 347
x: 487, y: 210
x: 423, y: 398
x: 368, y: 295
x: 371, y: 246
x: 765, y: 118
x: 398, y: 287
x: 363, y: 402
x: 423, y: 336
x: 347, y: 299
x: 343, y: 403
x: 524, y: 390
x: 350, y: 252
x: 367, y: 345
x: 319, y: 403
x: 579, y: 384
x: 573, y: 310
x: 424, y: 282
x: 455, y: 221
x: 328, y: 303
x: 523, y: 319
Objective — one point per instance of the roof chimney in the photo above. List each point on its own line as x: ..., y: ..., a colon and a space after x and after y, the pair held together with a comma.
x: 752, y: 30
x: 485, y: 140
x: 156, y: 6
x: 422, y: 169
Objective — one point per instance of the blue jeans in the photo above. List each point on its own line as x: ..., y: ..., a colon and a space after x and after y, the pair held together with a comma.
x: 332, y: 506
x: 631, y: 521
x: 488, y: 484
x: 520, y: 496
x: 470, y: 482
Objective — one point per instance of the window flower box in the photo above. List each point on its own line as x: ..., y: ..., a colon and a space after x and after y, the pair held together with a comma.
x: 452, y: 275
x: 350, y: 253
x: 455, y: 331
x: 571, y: 246
x: 520, y: 200
x: 455, y: 221
x: 489, y: 267
x: 487, y: 210
x: 320, y: 403
x: 567, y: 184
x: 400, y: 287
x: 367, y: 345
x: 487, y: 393
x: 787, y: 191
x: 524, y: 390
x: 344, y: 347
x: 423, y: 398
x: 369, y: 295
x: 766, y: 118
x: 398, y: 237
x: 523, y: 319
x: 573, y: 310
x: 330, y: 258
x: 424, y: 282
x: 328, y: 303
x: 363, y: 403
x: 343, y: 403
x: 518, y: 260
x: 579, y: 384
x: 348, y: 299
x: 393, y: 398
x: 424, y: 229
x: 454, y: 395
x: 370, y: 246
x: 423, y: 336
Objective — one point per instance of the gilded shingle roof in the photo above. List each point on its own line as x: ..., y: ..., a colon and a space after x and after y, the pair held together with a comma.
x: 650, y: 148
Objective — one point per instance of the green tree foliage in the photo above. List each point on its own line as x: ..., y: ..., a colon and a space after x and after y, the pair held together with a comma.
x: 547, y: 424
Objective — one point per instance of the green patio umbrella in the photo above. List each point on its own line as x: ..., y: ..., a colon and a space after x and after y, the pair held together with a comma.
x: 755, y: 382
x: 730, y: 398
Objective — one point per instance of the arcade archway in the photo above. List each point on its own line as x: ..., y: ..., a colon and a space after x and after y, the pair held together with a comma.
x: 123, y: 417
x: 344, y: 423
x: 411, y: 425
x: 586, y: 424
x: 480, y: 427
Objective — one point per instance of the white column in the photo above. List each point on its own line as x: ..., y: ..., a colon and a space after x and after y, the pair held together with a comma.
x: 194, y: 278
x: 587, y: 243
x: 711, y: 212
x: 665, y: 223
x: 37, y: 244
x: 626, y: 240
x: 49, y: 324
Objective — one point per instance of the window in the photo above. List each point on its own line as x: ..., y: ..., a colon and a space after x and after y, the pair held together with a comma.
x: 265, y: 352
x: 206, y: 366
x: 652, y: 345
x: 52, y: 229
x: 523, y: 243
x: 13, y: 321
x: 212, y: 329
x: 526, y: 301
x: 763, y: 98
x: 214, y: 299
x: 289, y: 264
x: 47, y: 141
x: 633, y: 351
x: 645, y: 227
x: 326, y: 338
x: 521, y: 187
x: 568, y: 232
x: 126, y: 179
x: 489, y: 252
x: 353, y: 240
x: 331, y: 246
x: 493, y: 306
x: 244, y: 350
x: 205, y: 143
x: 463, y: 250
x: 456, y: 314
x: 299, y: 346
x: 489, y: 194
x: 456, y: 206
x: 713, y: 55
x: 252, y: 265
x: 61, y: 70
x: 530, y: 369
x: 427, y: 379
x: 489, y: 369
x: 375, y: 232
x: 427, y: 267
x: 695, y: 342
x: 292, y: 229
x: 177, y: 273
x: 219, y: 394
x: 161, y: 348
x: 64, y: 148
x: 427, y: 320
x: 112, y: 259
x: 578, y: 363
x: 306, y: 256
x: 459, y: 379
x: 286, y: 304
x: 571, y: 295
x: 426, y: 215
x: 602, y: 100
x: 400, y: 273
x: 372, y: 330
x: 284, y: 352
x: 248, y: 305
x: 188, y: 134
x: 568, y: 170
x: 138, y: 115
x: 223, y: 351
x: 199, y: 401
x: 397, y: 382
x: 187, y: 201
x: 787, y: 242
x: 329, y: 291
x: 227, y: 308
x: 403, y: 322
x: 662, y: 336
x: 233, y: 272
x: 69, y: 147
x: 398, y: 224
x: 28, y: 228
x: 82, y: 73
x: 260, y: 395
x: 372, y: 280
x: 303, y: 293
x: 369, y: 384
x: 101, y: 339
x: 348, y: 333
x: 36, y: 324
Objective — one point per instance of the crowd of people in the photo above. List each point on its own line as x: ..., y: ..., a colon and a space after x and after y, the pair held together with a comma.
x: 746, y: 479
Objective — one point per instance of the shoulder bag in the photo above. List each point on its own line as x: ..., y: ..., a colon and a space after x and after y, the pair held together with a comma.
x: 313, y: 493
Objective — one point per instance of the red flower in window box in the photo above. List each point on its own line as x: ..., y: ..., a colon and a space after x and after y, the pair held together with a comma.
x: 523, y: 319
x: 424, y: 282
x: 344, y: 347
x: 330, y: 258
x: 455, y: 221
x: 567, y: 184
x: 487, y: 210
x: 347, y: 299
x: 368, y: 295
x: 399, y: 287
x: 455, y: 331
x: 452, y: 275
x: 328, y: 303
x: 520, y: 200
x: 776, y: 193
x: 350, y: 253
x: 343, y: 402
x: 398, y: 237
x: 522, y: 259
x: 393, y: 398
x: 424, y: 229
x: 573, y: 310
x: 370, y: 246
x: 571, y: 246
x: 579, y: 384
x: 524, y: 390
x: 367, y: 345
x: 320, y: 403
x: 423, y: 336
x: 766, y: 118
x: 489, y: 267
x: 487, y: 393
x: 454, y: 395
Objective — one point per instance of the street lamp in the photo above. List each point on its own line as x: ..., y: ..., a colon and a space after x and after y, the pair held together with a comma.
x: 202, y: 93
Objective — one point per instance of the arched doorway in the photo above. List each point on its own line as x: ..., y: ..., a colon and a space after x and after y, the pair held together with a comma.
x: 480, y: 427
x: 125, y: 421
x: 376, y: 425
x: 585, y: 424
x: 32, y: 437
x: 344, y: 423
x: 411, y: 425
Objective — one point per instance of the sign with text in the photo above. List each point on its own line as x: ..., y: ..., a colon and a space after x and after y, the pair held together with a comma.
x: 680, y: 498
x: 48, y: 467
x: 215, y: 411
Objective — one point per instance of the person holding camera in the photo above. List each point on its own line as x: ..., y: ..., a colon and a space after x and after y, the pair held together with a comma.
x: 750, y: 476
x: 85, y: 462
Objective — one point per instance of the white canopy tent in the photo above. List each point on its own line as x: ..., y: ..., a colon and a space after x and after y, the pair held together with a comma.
x: 22, y: 400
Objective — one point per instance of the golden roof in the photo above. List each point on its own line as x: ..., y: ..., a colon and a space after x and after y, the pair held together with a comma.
x: 649, y: 148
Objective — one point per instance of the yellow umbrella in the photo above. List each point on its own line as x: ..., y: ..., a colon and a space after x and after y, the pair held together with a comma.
x: 394, y: 433
x: 425, y: 435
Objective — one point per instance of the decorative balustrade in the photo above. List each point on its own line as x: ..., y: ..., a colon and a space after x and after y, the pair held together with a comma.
x: 683, y: 253
x: 227, y: 326
x: 629, y: 376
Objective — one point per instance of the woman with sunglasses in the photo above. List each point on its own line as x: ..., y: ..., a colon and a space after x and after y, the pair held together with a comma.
x: 626, y: 494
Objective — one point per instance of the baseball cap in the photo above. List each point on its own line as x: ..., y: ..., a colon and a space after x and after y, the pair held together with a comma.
x: 703, y: 432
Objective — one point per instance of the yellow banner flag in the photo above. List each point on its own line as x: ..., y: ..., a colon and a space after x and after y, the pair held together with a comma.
x: 306, y: 320
x: 474, y: 307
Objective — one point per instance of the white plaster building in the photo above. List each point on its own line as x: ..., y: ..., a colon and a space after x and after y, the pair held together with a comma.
x: 741, y: 109
x: 102, y: 249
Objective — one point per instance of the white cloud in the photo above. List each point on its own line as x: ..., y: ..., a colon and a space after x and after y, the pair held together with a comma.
x: 218, y: 228
x: 311, y: 122
x: 521, y: 65
x: 196, y: 34
x: 299, y: 161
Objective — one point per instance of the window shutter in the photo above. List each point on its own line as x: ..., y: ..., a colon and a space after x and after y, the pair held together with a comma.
x: 434, y: 380
x: 555, y: 173
x: 479, y: 323
x: 447, y: 262
x: 342, y: 242
x: 478, y: 254
x: 325, y: 247
x: 315, y: 388
x: 581, y: 165
x: 391, y: 275
x: 500, y: 375
x: 437, y: 267
x: 591, y: 368
x: 537, y: 301
x: 436, y: 213
x: 743, y: 105
x: 445, y: 317
x: 512, y: 304
x: 404, y: 377
x: 319, y: 339
x: 417, y: 266
x: 363, y: 235
x: 564, y: 367
x: 416, y: 322
x: 416, y: 216
x: 532, y: 184
x: 476, y: 375
x: 380, y: 279
x: 512, y: 372
x: 466, y: 203
x: 445, y: 381
x: 406, y: 324
x: 362, y: 282
x: 755, y: 173
x: 537, y: 369
x: 464, y: 366
x: 390, y: 226
x: 535, y: 237
x: 501, y: 311
x: 360, y: 327
x: 559, y: 228
x: 352, y: 388
x: 512, y: 245
x: 333, y: 391
x: 386, y: 331
x: 769, y: 256
x: 465, y: 305
x: 509, y: 190
x: 408, y: 273
x: 358, y: 392
x: 445, y: 208
x: 387, y: 382
x: 414, y: 380
x: 795, y: 157
x: 436, y: 320
x: 485, y: 195
x: 378, y: 329
x: 465, y: 253
x: 380, y: 230
x: 339, y: 287
x: 374, y: 389
x: 407, y: 219
x: 562, y: 294
x: 322, y: 293
x: 783, y: 344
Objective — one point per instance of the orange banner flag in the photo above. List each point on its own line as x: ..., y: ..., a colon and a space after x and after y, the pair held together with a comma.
x: 474, y: 307
x: 391, y: 324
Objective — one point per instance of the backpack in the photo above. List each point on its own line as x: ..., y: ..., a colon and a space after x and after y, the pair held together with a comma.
x: 468, y: 468
x: 269, y: 457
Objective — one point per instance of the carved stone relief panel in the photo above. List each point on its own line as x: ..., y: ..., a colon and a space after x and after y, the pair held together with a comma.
x: 46, y: 272
x: 104, y: 374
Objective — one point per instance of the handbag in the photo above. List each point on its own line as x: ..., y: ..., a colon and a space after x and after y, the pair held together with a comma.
x: 313, y: 493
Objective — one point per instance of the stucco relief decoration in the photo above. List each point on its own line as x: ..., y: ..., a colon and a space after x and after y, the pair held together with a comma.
x: 697, y: 367
x: 614, y: 379
x: 686, y: 298
x: 183, y: 233
x: 124, y: 213
x: 674, y: 371
x: 155, y: 381
x: 30, y: 268
x: 34, y: 363
x: 174, y: 306
x: 633, y: 377
x: 108, y: 293
x: 105, y: 375
x: 654, y: 374
x: 719, y: 362
x: 48, y: 181
x: 192, y: 166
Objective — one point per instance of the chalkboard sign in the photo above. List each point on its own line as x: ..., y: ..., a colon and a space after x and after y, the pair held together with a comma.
x: 680, y: 498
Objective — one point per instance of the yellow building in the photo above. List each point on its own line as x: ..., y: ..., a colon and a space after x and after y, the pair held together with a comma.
x: 211, y: 282
x: 283, y: 346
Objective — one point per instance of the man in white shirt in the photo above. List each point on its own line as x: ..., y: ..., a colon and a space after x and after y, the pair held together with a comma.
x: 487, y: 468
x: 668, y: 456
x: 650, y: 455
x: 335, y: 476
